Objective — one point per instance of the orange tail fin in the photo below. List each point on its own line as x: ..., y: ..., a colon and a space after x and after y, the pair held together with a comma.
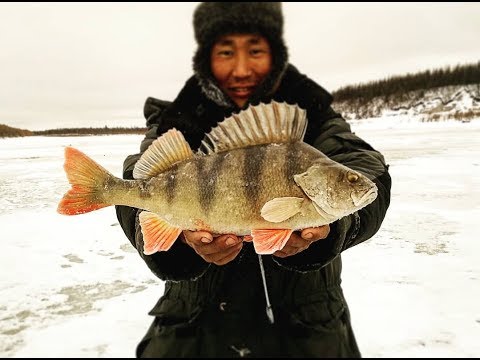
x: 87, y: 179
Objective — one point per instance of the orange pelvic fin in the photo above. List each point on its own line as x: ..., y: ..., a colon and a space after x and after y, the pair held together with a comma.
x: 267, y: 241
x: 87, y: 179
x: 158, y: 235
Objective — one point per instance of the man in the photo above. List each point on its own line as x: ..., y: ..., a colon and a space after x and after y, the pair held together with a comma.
x: 220, y: 300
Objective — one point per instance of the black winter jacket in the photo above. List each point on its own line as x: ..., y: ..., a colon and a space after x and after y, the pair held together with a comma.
x: 219, y: 311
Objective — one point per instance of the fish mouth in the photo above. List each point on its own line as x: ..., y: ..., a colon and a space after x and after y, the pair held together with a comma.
x: 366, y: 198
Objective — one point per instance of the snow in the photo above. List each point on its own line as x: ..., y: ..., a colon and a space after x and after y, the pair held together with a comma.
x: 75, y: 287
x: 413, y: 289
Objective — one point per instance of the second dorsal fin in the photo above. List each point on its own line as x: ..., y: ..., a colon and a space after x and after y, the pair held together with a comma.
x: 261, y: 124
x: 162, y: 154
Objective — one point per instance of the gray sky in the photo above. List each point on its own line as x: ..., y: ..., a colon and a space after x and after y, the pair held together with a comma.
x: 85, y: 64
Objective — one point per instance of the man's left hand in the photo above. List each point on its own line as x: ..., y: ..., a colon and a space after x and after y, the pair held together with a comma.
x: 300, y: 241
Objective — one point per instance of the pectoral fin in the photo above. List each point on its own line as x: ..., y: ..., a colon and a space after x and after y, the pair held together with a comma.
x: 266, y: 241
x: 280, y: 209
x: 158, y: 235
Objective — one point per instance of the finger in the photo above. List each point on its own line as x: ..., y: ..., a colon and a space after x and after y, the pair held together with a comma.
x: 248, y: 238
x: 198, y: 237
x: 218, y: 245
x: 293, y: 246
x: 285, y: 252
x: 219, y: 255
x: 280, y: 254
x: 290, y: 250
x: 230, y: 255
x: 227, y: 240
x: 315, y: 233
x: 296, y: 241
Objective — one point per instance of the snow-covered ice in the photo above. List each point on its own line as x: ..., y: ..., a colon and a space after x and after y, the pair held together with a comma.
x: 75, y: 287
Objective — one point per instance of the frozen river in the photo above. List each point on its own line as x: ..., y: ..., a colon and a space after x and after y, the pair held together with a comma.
x: 74, y: 286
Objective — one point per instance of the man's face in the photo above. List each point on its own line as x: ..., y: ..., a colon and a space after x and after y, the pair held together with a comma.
x: 240, y: 62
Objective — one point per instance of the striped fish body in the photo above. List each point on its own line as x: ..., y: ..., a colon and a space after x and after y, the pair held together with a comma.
x: 254, y: 176
x: 224, y: 193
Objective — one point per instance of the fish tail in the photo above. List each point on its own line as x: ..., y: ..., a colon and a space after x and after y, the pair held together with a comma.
x: 88, y: 180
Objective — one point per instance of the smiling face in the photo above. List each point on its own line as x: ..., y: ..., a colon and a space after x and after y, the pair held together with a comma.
x: 239, y: 63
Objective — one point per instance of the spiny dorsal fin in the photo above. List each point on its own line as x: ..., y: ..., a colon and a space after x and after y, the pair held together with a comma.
x: 162, y: 154
x: 261, y: 124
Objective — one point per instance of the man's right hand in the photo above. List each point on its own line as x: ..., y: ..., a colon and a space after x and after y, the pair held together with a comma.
x: 219, y: 250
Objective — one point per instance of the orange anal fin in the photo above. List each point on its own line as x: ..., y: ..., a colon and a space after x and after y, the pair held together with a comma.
x: 267, y: 241
x: 158, y: 235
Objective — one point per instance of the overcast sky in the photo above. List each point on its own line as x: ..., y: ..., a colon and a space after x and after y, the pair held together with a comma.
x: 85, y: 64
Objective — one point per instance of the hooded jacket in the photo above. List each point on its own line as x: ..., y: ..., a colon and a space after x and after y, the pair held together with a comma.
x: 219, y: 311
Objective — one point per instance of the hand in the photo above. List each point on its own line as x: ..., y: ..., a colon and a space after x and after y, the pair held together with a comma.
x: 219, y: 250
x: 301, y: 241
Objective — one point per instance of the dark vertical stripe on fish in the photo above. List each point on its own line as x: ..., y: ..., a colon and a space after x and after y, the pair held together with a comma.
x: 253, y: 159
x: 292, y: 161
x: 171, y: 184
x: 207, y: 179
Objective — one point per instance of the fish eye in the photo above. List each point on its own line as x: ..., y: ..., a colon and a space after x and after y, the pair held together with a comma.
x: 352, y: 177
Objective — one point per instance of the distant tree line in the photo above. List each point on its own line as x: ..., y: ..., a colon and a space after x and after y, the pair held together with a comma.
x: 91, y: 131
x: 7, y: 131
x: 395, y: 85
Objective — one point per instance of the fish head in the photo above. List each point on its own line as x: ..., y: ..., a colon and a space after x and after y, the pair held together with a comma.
x: 335, y: 189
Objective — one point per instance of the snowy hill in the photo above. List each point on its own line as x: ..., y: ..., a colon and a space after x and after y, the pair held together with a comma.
x: 437, y: 104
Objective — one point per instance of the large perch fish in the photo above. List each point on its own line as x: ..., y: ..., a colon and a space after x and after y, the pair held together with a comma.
x: 253, y: 176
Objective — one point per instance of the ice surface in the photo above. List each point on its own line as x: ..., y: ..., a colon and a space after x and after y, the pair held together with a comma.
x: 75, y: 287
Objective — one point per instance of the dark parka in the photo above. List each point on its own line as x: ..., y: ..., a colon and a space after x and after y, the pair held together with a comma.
x: 219, y: 311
